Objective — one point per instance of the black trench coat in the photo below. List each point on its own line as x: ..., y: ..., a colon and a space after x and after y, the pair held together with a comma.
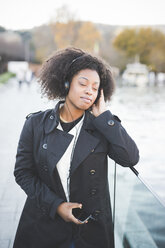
x: 40, y: 147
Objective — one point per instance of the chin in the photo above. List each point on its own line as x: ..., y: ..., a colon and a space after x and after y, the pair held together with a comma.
x: 85, y: 106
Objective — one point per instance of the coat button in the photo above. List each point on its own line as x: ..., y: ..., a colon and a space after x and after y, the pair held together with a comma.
x: 111, y: 123
x: 45, y: 168
x: 92, y: 172
x: 44, y: 146
x: 96, y: 213
x: 51, y: 117
x: 43, y: 210
x: 93, y: 191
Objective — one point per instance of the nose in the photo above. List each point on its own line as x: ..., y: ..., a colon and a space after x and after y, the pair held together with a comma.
x: 88, y: 90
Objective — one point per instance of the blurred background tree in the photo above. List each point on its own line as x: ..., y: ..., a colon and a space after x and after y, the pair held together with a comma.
x: 88, y: 37
x: 43, y: 42
x: 147, y: 43
x: 118, y: 45
x: 68, y: 31
x: 126, y: 42
x: 63, y: 27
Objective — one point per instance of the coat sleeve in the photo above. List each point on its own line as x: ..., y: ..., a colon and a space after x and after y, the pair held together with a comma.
x: 26, y: 174
x: 122, y: 148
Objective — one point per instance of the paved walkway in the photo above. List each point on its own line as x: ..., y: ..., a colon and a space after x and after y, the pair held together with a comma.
x: 15, y: 104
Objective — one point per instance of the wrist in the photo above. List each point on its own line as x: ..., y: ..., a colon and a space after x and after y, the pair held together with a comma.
x: 59, y: 207
x: 96, y: 114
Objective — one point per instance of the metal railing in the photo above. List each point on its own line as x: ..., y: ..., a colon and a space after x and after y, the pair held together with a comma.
x: 138, y: 212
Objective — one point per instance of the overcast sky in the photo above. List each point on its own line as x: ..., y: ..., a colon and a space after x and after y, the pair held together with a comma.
x: 21, y: 14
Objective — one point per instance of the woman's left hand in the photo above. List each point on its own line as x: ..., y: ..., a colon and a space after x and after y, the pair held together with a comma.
x: 100, y: 107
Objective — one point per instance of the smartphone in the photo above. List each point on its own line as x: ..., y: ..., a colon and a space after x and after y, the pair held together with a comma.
x: 81, y: 215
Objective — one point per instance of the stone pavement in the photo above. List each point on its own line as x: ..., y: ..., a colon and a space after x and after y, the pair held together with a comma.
x: 15, y: 104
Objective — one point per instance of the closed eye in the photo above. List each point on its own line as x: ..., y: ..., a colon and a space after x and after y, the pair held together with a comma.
x: 83, y: 84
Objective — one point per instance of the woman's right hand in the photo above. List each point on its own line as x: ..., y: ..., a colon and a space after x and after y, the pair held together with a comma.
x: 65, y: 211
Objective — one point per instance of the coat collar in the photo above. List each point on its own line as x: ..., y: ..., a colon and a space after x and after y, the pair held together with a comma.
x: 85, y: 144
x: 52, y: 119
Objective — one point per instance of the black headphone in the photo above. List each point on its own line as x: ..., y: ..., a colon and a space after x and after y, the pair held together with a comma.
x: 67, y: 87
x: 67, y: 83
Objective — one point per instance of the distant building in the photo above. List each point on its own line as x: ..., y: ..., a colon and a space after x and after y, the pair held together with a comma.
x: 135, y: 74
x: 11, y: 46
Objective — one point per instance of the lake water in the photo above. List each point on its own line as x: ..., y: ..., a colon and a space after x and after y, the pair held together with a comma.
x: 142, y: 111
x: 139, y: 216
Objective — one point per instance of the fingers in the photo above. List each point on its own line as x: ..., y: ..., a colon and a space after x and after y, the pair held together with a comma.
x: 65, y: 211
x: 101, y: 94
x: 76, y: 221
x: 101, y: 98
x: 76, y: 205
x: 99, y: 107
x: 72, y: 217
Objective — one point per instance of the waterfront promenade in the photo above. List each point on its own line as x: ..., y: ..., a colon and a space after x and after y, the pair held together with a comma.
x: 15, y: 104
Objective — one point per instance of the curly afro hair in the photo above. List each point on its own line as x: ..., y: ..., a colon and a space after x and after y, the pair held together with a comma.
x: 64, y: 64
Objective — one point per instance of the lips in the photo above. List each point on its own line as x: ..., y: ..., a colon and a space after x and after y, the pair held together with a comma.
x: 86, y: 99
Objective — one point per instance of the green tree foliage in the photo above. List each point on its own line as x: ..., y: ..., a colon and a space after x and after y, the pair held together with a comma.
x: 149, y: 44
x: 126, y: 42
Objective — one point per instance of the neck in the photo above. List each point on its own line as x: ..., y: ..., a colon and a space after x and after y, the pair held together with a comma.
x: 70, y: 113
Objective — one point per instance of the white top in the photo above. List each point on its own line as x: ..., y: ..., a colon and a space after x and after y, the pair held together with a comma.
x: 63, y: 165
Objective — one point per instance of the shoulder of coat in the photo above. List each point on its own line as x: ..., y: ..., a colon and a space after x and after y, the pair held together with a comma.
x: 31, y: 114
x: 116, y: 118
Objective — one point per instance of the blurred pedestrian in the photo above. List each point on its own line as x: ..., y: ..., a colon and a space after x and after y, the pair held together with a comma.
x: 61, y: 161
x: 20, y: 77
x: 29, y: 77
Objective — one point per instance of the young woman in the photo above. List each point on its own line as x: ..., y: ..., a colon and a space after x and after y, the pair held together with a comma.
x: 61, y: 161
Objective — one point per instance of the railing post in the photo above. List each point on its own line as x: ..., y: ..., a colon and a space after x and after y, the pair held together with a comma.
x: 114, y: 198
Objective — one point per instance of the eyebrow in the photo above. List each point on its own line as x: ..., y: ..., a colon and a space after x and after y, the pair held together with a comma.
x: 88, y: 79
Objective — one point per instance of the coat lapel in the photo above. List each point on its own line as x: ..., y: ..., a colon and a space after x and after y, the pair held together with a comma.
x: 86, y: 143
x: 57, y: 140
x: 57, y: 143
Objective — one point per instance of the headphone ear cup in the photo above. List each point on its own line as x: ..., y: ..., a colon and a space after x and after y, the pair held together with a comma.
x: 67, y: 86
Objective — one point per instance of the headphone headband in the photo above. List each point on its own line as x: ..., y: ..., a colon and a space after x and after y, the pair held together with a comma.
x: 75, y: 60
x: 66, y: 83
